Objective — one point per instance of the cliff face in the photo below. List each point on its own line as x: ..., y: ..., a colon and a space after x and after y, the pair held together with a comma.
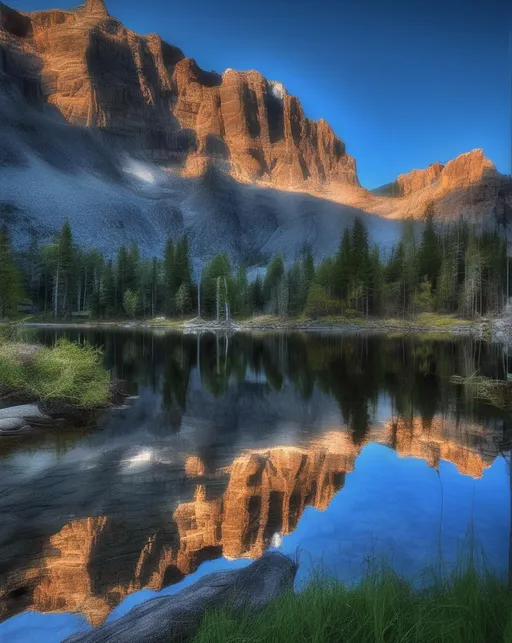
x: 471, y: 168
x: 468, y: 186
x: 87, y: 103
x: 145, y: 95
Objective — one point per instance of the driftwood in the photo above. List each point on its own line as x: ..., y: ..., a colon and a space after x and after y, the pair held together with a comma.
x: 173, y: 619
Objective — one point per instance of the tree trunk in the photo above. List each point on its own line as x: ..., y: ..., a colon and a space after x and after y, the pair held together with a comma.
x: 56, y: 293
x: 218, y: 299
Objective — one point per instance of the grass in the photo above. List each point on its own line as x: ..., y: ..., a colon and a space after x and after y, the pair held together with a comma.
x: 383, y: 608
x: 66, y: 372
x: 497, y: 393
x: 441, y: 321
x: 165, y: 322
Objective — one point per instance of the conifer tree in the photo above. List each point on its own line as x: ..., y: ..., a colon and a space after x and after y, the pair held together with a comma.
x: 169, y: 277
x: 429, y: 255
x: 273, y: 279
x: 10, y: 277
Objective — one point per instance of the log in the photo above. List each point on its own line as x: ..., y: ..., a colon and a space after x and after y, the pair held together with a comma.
x: 174, y: 619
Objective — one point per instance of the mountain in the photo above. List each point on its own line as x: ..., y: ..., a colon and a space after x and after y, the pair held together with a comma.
x: 123, y: 134
x: 468, y: 186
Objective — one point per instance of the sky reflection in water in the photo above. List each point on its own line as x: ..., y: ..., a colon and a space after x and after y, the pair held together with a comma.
x: 352, y: 447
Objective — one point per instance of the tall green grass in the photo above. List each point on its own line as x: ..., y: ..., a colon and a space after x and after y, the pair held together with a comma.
x: 383, y: 608
x: 66, y: 372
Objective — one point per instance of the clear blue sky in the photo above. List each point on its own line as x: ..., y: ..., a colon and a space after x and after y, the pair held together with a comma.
x: 403, y: 82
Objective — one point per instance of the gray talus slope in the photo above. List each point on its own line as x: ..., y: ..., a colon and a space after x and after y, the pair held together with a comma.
x: 50, y: 171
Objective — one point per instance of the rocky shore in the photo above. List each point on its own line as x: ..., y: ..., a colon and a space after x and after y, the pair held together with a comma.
x: 176, y: 618
x: 479, y: 329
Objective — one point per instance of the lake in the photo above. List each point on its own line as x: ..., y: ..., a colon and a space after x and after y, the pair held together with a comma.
x: 338, y: 449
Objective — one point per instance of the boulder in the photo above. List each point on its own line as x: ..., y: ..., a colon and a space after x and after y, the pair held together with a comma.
x: 21, y: 411
x: 12, y: 425
x: 170, y: 619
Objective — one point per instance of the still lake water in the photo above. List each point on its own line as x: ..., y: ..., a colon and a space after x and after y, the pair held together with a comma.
x: 341, y: 448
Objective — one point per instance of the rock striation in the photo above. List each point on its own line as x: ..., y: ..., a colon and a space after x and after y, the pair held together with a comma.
x: 94, y: 113
x: 145, y: 95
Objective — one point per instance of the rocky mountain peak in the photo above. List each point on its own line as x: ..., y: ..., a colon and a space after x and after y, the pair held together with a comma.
x: 96, y: 6
x: 467, y: 169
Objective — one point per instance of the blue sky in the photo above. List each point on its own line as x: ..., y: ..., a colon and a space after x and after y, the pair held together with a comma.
x: 403, y: 83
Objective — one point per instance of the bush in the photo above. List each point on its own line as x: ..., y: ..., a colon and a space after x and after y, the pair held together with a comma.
x: 71, y: 373
x: 66, y: 372
x: 319, y: 304
x: 12, y: 375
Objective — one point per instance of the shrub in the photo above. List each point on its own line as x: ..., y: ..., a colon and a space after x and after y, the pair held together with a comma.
x: 71, y: 373
x: 319, y: 304
x: 66, y: 372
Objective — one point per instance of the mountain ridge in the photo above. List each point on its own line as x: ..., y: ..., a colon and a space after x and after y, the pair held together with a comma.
x: 112, y: 129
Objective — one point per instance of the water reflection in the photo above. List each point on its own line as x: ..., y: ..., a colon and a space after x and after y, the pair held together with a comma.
x: 231, y: 440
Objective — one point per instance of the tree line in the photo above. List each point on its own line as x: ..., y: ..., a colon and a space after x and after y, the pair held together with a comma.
x: 456, y: 268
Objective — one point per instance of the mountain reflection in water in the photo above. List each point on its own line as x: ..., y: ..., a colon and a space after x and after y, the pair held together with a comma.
x: 231, y: 440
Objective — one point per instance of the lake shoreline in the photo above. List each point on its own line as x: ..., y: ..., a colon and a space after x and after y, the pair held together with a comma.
x: 445, y: 326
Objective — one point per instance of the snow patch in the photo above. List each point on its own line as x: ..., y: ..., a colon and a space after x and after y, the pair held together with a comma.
x: 277, y: 89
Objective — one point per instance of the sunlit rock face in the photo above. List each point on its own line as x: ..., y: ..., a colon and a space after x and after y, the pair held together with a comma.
x: 442, y: 439
x: 152, y: 101
x: 91, y: 564
x: 96, y: 114
x: 468, y: 186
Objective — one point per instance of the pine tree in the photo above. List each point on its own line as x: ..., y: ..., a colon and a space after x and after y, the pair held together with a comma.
x: 169, y: 277
x: 376, y: 282
x: 429, y: 255
x: 360, y: 266
x: 409, y: 276
x: 64, y: 270
x: 131, y: 303
x: 257, y: 300
x: 10, y: 277
x: 273, y: 278
x: 182, y: 263
x: 183, y: 299
x: 215, y: 281
x: 344, y: 267
x: 241, y: 302
x: 108, y: 289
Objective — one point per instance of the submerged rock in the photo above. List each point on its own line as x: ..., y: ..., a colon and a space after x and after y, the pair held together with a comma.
x: 176, y: 618
x: 12, y: 425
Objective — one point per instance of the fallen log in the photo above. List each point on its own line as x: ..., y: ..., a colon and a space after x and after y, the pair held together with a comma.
x: 174, y: 619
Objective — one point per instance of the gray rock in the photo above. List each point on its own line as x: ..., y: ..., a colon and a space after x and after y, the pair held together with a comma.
x: 22, y: 411
x: 176, y: 618
x: 131, y: 398
x: 12, y: 424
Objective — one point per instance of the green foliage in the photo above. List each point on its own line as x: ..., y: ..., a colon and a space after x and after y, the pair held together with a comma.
x: 10, y: 277
x: 429, y: 255
x: 423, y: 298
x: 66, y: 372
x: 273, y: 279
x: 449, y: 269
x: 217, y: 286
x: 319, y: 304
x: 12, y: 372
x: 131, y: 303
x: 383, y: 608
x: 183, y: 299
